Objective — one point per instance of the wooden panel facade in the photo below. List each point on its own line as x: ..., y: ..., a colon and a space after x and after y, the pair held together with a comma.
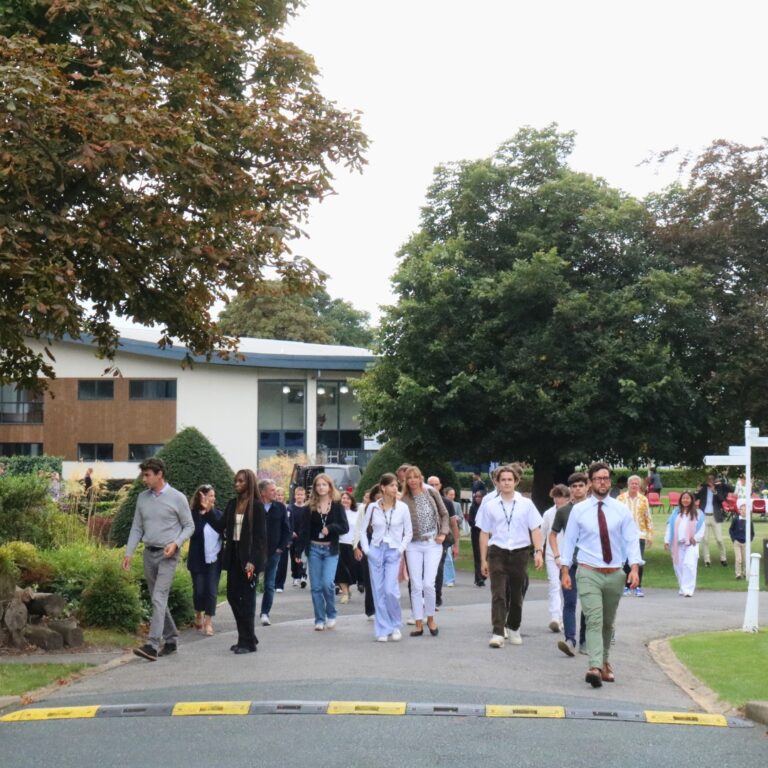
x: 121, y: 421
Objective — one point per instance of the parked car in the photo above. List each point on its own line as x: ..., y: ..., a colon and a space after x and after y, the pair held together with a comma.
x: 345, y: 476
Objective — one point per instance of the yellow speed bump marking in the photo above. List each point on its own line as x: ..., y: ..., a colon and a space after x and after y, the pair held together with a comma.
x: 57, y: 713
x: 496, y: 710
x: 366, y: 707
x: 685, y: 718
x: 185, y: 708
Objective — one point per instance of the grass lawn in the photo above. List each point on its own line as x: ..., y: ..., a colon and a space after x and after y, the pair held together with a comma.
x: 658, y: 573
x: 722, y: 661
x: 17, y: 679
x: 96, y: 637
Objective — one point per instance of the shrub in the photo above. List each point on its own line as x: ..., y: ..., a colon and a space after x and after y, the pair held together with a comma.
x: 391, y: 456
x: 31, y: 465
x: 190, y: 461
x: 33, y: 569
x: 27, y: 512
x: 111, y: 599
x: 74, y: 566
x: 9, y: 574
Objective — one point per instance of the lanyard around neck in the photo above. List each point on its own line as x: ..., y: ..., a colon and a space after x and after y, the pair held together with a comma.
x: 508, y: 517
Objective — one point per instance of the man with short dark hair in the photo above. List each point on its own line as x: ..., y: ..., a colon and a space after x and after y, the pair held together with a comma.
x: 163, y: 522
x: 711, y: 496
x: 604, y: 532
x: 278, y: 540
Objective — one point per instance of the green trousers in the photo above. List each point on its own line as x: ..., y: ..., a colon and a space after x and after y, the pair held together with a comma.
x: 600, y: 594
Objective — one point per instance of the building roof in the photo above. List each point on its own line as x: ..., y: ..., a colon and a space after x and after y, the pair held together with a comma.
x: 253, y: 353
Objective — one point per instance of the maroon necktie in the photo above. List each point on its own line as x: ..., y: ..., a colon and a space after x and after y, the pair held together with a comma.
x: 605, y: 541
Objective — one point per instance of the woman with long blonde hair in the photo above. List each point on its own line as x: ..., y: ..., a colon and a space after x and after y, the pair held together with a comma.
x: 429, y: 523
x: 327, y: 521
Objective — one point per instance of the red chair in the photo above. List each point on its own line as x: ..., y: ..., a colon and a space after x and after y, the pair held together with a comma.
x: 758, y: 507
x: 730, y: 505
x: 673, y: 500
x: 654, y: 501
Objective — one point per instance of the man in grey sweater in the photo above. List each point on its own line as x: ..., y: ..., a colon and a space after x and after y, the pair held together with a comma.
x: 163, y: 522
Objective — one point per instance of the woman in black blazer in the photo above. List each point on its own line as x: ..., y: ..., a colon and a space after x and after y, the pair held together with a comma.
x: 204, y: 557
x: 245, y: 546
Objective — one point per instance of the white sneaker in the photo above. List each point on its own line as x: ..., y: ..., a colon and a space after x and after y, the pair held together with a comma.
x: 554, y: 625
x: 396, y: 636
x: 382, y: 639
x: 265, y: 622
x: 372, y: 617
x: 279, y: 589
x: 411, y: 622
x: 497, y: 641
x: 330, y: 624
x: 319, y: 627
x: 514, y: 637
x: 296, y: 582
x: 506, y: 633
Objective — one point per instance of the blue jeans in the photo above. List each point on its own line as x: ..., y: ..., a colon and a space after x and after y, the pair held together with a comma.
x: 270, y: 571
x: 449, y: 571
x: 322, y: 575
x: 570, y: 596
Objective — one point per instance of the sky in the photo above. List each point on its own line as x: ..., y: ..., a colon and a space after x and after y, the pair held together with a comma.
x: 439, y: 81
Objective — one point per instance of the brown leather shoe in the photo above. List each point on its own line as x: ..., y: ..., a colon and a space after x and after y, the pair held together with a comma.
x: 594, y: 677
x: 607, y: 673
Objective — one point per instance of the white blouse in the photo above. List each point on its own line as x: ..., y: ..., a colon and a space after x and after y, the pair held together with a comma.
x: 391, y: 528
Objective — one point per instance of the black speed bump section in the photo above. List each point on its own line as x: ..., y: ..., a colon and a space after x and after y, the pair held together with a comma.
x: 383, y: 708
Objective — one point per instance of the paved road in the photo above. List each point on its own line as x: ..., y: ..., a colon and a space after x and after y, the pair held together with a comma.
x: 294, y: 662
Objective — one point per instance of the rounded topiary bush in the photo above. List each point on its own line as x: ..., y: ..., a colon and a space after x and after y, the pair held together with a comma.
x: 111, y: 600
x: 392, y: 455
x: 191, y: 460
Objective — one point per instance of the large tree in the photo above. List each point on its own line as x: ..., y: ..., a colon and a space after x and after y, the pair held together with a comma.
x: 153, y: 156
x: 276, y: 311
x: 537, y: 321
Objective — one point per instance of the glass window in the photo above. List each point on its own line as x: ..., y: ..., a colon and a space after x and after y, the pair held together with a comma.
x: 21, y: 449
x: 270, y: 439
x: 17, y: 406
x: 96, y: 389
x: 94, y: 451
x: 141, y: 451
x: 152, y: 389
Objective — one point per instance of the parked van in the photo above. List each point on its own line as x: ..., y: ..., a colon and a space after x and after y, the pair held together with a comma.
x: 345, y: 476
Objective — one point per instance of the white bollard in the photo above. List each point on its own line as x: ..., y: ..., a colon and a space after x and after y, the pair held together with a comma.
x: 753, y: 591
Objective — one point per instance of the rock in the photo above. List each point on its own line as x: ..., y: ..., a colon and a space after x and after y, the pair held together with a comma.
x: 44, y: 638
x: 15, y: 619
x: 47, y: 604
x: 25, y: 595
x: 69, y: 631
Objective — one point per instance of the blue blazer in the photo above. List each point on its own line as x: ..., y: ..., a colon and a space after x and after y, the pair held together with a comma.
x: 278, y: 530
x: 196, y: 555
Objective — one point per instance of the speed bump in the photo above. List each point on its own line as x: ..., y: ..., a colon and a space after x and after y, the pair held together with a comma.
x: 495, y: 710
x: 186, y: 708
x: 55, y: 713
x: 366, y: 708
x: 685, y: 718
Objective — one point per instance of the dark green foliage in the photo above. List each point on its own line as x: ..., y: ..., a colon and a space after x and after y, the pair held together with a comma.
x: 191, y: 460
x: 111, y: 600
x: 9, y: 573
x: 27, y: 512
x: 391, y: 456
x: 73, y: 568
x: 31, y: 465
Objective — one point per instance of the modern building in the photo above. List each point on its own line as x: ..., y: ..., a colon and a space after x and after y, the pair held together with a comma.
x: 274, y: 396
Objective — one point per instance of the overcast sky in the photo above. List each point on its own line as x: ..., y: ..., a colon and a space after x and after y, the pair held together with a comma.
x: 442, y: 80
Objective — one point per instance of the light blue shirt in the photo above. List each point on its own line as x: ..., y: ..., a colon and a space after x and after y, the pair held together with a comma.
x: 583, y: 532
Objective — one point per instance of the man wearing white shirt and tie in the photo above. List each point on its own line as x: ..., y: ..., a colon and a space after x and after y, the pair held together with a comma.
x: 510, y: 521
x: 605, y: 533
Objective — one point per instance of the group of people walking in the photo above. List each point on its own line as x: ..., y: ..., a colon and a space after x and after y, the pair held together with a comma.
x: 592, y: 545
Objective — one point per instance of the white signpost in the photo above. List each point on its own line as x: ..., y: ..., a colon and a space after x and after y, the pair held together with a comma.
x: 741, y: 456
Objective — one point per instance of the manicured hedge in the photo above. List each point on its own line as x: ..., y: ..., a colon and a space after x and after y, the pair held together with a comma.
x: 31, y: 465
x: 191, y: 460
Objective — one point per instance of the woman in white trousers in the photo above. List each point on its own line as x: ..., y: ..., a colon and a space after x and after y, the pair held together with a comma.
x: 429, y: 521
x: 389, y: 523
x: 685, y: 529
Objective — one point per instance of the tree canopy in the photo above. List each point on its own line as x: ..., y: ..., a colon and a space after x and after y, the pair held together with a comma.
x: 275, y: 311
x: 544, y: 316
x: 153, y: 156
